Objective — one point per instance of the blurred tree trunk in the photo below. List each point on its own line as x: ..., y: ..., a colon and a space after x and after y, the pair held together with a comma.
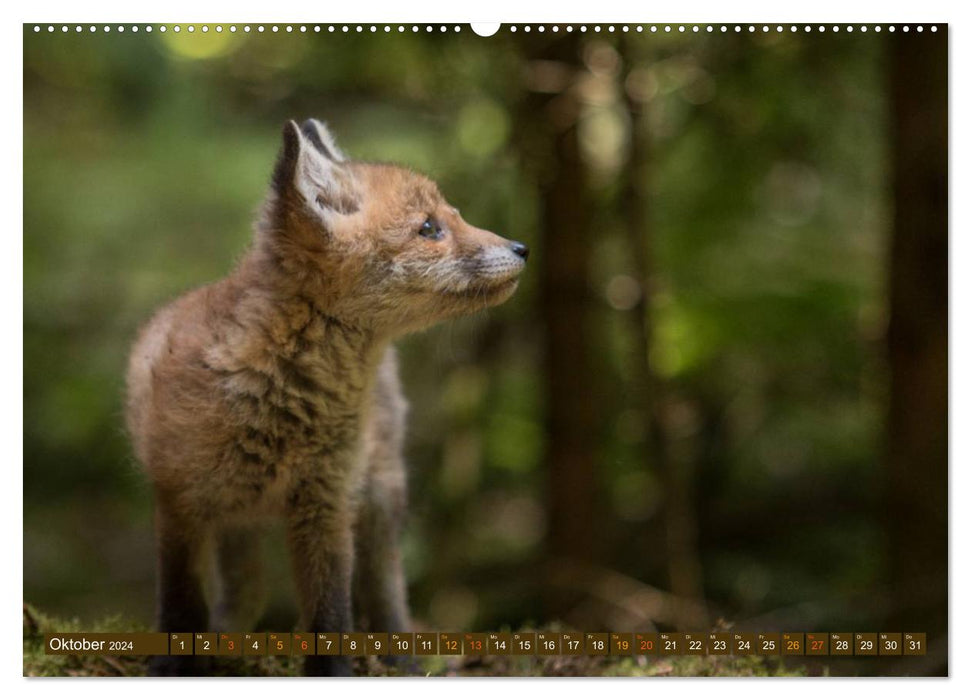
x: 916, y: 507
x: 680, y: 522
x: 549, y: 129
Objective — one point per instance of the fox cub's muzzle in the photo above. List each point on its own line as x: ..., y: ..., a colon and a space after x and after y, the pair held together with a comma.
x: 520, y: 249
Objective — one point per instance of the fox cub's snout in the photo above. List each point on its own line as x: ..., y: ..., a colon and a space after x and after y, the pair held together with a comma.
x: 275, y: 392
x: 389, y: 250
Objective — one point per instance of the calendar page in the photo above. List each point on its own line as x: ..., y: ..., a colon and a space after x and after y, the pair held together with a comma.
x: 513, y: 349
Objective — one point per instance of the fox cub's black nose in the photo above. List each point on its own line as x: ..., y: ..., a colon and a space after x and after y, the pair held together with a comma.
x: 520, y: 249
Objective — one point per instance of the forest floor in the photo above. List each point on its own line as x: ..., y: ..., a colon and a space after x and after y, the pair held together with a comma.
x: 37, y: 663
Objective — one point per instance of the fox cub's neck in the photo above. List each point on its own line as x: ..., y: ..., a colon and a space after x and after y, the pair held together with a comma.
x: 290, y: 357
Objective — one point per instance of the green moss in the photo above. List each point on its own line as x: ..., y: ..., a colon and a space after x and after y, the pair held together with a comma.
x: 37, y: 663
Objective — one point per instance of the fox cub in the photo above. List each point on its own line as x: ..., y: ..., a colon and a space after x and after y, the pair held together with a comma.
x: 275, y: 392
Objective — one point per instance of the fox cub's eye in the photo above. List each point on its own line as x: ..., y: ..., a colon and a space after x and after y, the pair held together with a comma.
x: 430, y: 229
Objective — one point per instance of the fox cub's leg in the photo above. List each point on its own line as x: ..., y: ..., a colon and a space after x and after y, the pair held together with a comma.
x: 379, y: 585
x: 379, y: 582
x: 319, y: 521
x: 240, y: 593
x: 181, y: 605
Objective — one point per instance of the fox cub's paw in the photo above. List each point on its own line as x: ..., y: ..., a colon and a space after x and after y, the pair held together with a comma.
x: 327, y: 666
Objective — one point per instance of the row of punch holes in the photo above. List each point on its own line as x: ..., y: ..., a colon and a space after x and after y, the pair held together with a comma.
x: 358, y: 28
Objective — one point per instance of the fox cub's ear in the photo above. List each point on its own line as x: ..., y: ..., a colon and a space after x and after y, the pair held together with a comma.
x: 320, y: 137
x: 312, y: 167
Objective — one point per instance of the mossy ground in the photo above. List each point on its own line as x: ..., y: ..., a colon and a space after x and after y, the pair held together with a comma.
x: 37, y: 663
